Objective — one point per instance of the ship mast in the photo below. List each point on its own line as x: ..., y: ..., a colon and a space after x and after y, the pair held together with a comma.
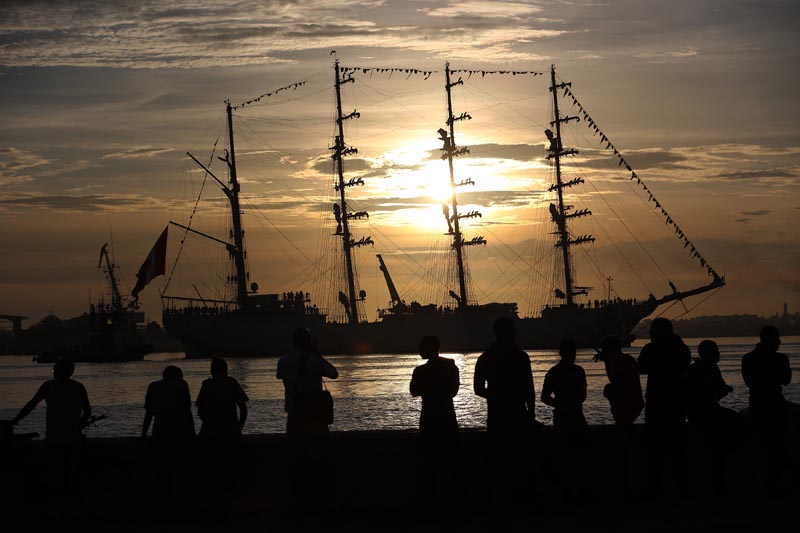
x: 560, y: 212
x: 451, y: 214
x: 340, y: 209
x: 238, y: 252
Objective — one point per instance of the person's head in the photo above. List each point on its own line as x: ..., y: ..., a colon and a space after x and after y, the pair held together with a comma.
x: 770, y: 338
x: 302, y: 339
x: 172, y: 373
x: 567, y: 350
x: 708, y: 351
x: 609, y: 345
x: 660, y: 329
x: 219, y: 367
x: 63, y: 368
x: 504, y: 330
x: 429, y: 347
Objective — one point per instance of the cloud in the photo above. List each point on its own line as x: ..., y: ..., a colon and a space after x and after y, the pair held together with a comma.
x: 137, y: 153
x: 756, y: 213
x: 488, y: 9
x: 88, y: 203
x: 15, y: 163
x: 669, y: 56
x: 197, y: 34
x: 758, y: 174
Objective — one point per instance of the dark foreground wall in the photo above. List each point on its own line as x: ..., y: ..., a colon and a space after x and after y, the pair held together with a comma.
x: 377, y: 476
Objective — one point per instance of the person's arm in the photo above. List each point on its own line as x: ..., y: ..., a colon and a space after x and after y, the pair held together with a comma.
x: 242, y: 415
x: 86, y: 407
x: 455, y: 381
x: 148, y: 418
x: 530, y: 399
x: 581, y: 385
x: 328, y: 370
x: 479, y: 380
x: 200, y: 402
x: 547, y: 391
x: 148, y: 412
x: 415, y: 387
x: 747, y: 372
x: 786, y: 370
x: 31, y: 405
x: 643, y: 363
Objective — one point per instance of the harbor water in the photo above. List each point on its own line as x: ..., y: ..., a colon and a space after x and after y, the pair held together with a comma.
x: 370, y: 394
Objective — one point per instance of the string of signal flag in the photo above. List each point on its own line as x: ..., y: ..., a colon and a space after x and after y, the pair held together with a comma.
x: 427, y: 73
x: 292, y: 86
x: 608, y: 145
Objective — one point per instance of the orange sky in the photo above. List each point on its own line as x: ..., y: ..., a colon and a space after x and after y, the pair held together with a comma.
x: 101, y: 103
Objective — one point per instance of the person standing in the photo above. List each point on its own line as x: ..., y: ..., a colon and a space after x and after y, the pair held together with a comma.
x: 68, y: 407
x: 169, y: 402
x: 309, y: 410
x: 504, y: 377
x: 68, y: 412
x: 222, y: 408
x: 766, y: 371
x: 217, y: 403
x: 623, y: 390
x: 168, y: 407
x: 302, y: 371
x: 564, y: 390
x: 665, y: 360
x: 437, y: 383
x: 624, y: 394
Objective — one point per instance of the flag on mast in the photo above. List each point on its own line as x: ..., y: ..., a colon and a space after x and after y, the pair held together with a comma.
x: 153, y: 266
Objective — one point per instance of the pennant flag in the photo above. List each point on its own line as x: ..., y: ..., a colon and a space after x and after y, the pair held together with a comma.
x: 153, y: 266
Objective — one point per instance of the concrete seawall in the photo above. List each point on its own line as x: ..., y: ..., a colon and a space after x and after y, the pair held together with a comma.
x: 376, y: 476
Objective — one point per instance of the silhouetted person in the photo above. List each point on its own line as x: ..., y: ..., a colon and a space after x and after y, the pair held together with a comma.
x: 503, y: 376
x: 222, y: 408
x: 217, y: 403
x: 765, y: 372
x: 624, y: 394
x: 718, y: 429
x: 564, y: 389
x: 665, y: 360
x: 169, y: 402
x: 307, y: 430
x: 68, y: 407
x: 705, y: 387
x: 302, y: 371
x: 68, y: 412
x: 624, y: 390
x: 437, y: 383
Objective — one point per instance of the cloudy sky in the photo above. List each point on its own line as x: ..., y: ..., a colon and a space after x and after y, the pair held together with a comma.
x: 101, y: 101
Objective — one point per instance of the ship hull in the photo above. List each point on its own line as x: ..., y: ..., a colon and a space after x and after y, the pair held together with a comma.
x: 244, y: 334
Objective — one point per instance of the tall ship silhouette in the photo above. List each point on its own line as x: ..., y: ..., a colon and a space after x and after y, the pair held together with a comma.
x: 249, y: 324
